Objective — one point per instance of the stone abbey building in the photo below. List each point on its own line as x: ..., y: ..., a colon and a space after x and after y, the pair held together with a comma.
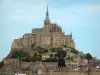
x: 50, y: 35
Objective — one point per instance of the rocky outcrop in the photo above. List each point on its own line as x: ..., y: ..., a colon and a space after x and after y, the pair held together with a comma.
x: 10, y: 65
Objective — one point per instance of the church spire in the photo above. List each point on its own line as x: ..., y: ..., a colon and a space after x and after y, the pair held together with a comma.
x: 47, y: 15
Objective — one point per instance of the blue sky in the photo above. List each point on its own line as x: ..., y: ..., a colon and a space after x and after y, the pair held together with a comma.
x: 81, y: 17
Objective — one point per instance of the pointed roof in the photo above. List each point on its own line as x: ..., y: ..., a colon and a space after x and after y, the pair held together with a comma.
x: 47, y: 15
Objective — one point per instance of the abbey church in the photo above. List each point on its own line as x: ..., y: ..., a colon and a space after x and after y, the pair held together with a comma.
x: 50, y: 35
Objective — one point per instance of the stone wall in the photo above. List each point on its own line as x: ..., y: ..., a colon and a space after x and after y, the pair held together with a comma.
x: 74, y: 73
x: 95, y: 73
x: 26, y: 64
x: 67, y: 73
x: 12, y: 61
x: 17, y: 43
x: 10, y: 65
x: 29, y: 39
x: 45, y: 39
x: 56, y: 39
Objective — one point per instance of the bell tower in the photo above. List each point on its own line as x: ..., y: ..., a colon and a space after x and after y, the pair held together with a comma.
x: 47, y: 22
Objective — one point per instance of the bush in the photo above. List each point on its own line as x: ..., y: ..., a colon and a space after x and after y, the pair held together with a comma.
x: 17, y: 54
x: 51, y: 55
x: 36, y: 58
x: 53, y: 49
x: 41, y: 50
x: 50, y: 60
x: 88, y: 56
x: 26, y: 69
x: 26, y: 59
x: 69, y: 58
x: 61, y: 53
x: 61, y: 62
x: 64, y: 46
x: 74, y: 51
x: 1, y: 64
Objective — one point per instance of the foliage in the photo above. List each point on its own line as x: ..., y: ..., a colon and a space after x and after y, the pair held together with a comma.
x: 88, y: 56
x: 51, y: 55
x: 26, y: 58
x: 1, y: 64
x: 33, y: 58
x: 69, y: 58
x: 64, y: 46
x: 53, y: 49
x: 26, y: 69
x: 61, y: 53
x: 41, y: 50
x: 56, y: 49
x: 39, y: 58
x: 36, y: 58
x: 50, y: 60
x: 17, y: 54
x: 61, y: 62
x: 54, y: 59
x: 74, y: 51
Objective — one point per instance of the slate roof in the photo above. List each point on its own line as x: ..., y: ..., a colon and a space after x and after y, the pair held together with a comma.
x: 37, y: 29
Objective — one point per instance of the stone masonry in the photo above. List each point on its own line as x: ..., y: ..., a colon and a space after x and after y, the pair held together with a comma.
x: 51, y: 35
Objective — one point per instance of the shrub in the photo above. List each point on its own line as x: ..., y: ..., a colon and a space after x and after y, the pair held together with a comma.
x: 17, y: 54
x: 1, y: 64
x: 74, y: 51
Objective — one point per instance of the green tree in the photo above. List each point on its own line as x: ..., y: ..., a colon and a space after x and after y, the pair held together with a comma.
x: 1, y: 64
x: 88, y: 56
x: 36, y: 58
x: 26, y: 59
x: 74, y: 51
x: 41, y: 50
x: 64, y: 46
x: 69, y: 58
x: 33, y: 58
x: 51, y: 55
x: 61, y: 53
x: 61, y: 62
x: 17, y: 54
x: 39, y: 58
x: 53, y: 49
